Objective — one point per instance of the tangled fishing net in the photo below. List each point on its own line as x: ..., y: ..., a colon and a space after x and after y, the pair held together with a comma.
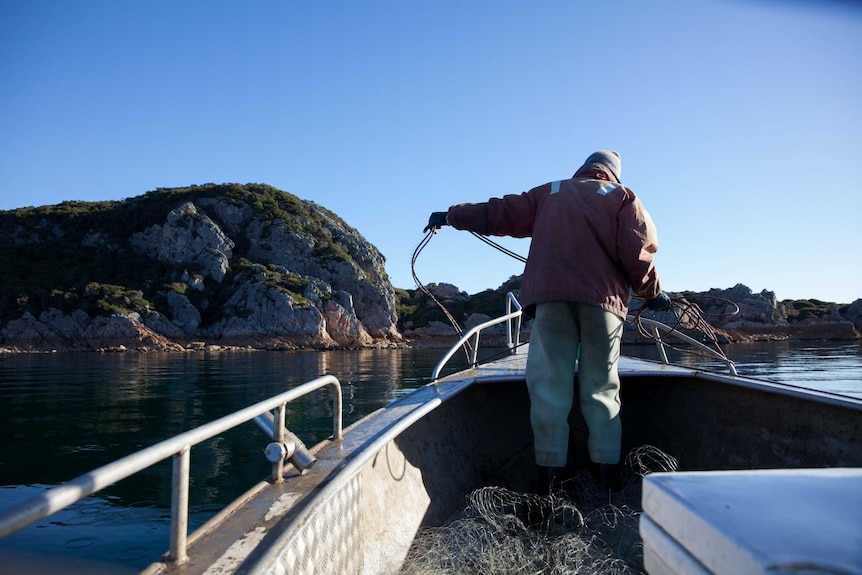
x: 577, y: 529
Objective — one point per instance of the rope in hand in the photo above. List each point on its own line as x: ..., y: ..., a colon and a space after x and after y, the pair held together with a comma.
x: 427, y: 292
x: 498, y: 247
x: 468, y: 349
x: 689, y: 316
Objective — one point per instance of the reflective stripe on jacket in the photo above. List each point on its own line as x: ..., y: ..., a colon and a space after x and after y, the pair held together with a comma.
x: 592, y: 241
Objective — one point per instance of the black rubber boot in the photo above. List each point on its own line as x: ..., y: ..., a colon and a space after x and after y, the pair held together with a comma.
x: 608, y: 476
x: 539, y: 513
x: 549, y: 480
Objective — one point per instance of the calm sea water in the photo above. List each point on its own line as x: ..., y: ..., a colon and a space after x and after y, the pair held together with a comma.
x: 62, y: 415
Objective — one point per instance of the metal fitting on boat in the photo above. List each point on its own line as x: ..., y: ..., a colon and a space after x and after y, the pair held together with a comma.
x: 276, y: 452
x: 292, y: 448
x: 301, y: 458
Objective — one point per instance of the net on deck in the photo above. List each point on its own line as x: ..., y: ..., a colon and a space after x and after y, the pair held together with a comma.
x: 578, y: 529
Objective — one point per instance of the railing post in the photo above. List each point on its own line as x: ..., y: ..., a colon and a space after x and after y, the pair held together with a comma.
x: 278, y: 432
x: 180, y: 506
x: 662, y: 353
x: 513, y: 340
x: 517, y: 338
x: 337, y: 416
x: 475, y: 354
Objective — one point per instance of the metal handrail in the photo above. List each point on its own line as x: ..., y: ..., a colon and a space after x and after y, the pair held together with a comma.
x: 179, y: 448
x: 513, y: 340
x: 513, y: 337
x: 657, y: 325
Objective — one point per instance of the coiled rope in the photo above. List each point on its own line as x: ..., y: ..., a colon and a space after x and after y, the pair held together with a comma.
x: 689, y: 316
x: 424, y: 289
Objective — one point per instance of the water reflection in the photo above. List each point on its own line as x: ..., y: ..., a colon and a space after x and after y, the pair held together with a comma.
x: 62, y: 415
x: 825, y: 366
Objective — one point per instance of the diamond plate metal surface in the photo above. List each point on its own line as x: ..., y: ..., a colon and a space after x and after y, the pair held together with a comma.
x: 329, y: 540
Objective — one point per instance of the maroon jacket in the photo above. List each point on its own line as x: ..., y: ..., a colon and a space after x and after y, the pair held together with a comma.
x: 593, y: 241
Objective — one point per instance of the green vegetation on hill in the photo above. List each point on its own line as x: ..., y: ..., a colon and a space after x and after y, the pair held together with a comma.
x: 76, y: 255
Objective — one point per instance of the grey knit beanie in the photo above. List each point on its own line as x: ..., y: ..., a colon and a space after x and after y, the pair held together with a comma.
x: 608, y: 159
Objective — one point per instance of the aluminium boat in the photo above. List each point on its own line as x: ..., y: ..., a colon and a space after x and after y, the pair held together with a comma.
x: 747, y: 455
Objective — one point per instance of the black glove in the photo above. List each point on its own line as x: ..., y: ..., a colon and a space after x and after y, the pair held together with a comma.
x: 436, y: 221
x: 661, y: 302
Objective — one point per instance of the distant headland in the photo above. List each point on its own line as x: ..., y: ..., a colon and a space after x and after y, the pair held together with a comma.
x: 737, y: 314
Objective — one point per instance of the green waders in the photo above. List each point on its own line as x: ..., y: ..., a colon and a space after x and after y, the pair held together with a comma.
x: 557, y: 331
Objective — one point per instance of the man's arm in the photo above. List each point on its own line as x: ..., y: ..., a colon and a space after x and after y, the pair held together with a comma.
x: 511, y: 215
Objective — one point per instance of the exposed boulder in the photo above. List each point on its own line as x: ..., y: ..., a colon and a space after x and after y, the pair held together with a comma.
x: 854, y: 314
x: 257, y: 310
x: 185, y: 315
x: 343, y: 259
x: 447, y: 292
x: 342, y: 325
x: 755, y: 309
x: 54, y: 330
x: 187, y: 237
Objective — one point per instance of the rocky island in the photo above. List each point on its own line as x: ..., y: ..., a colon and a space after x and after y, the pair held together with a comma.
x: 212, y: 265
x: 249, y: 266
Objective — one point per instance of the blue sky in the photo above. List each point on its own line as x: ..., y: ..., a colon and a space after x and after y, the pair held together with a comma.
x: 739, y: 122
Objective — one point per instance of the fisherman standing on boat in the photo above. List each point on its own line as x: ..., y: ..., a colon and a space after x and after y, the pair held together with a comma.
x: 592, y: 243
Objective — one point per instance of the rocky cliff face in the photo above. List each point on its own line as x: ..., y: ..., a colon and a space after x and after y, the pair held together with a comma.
x: 226, y: 265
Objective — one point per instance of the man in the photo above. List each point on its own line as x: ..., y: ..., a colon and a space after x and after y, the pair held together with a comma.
x: 592, y: 243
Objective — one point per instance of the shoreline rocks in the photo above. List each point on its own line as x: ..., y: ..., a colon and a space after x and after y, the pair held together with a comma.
x: 272, y: 322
